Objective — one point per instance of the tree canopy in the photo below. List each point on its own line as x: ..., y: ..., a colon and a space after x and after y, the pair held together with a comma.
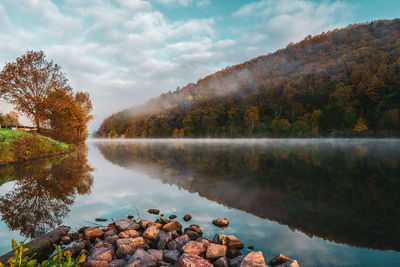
x: 341, y: 83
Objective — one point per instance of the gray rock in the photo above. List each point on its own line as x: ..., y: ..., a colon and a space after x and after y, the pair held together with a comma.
x: 192, y: 235
x: 123, y: 225
x: 178, y: 242
x: 235, y: 262
x: 171, y: 256
x: 164, y: 238
x: 221, y: 262
x: 144, y: 257
x: 118, y: 263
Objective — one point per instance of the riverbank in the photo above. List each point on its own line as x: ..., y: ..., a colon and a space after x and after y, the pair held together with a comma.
x: 162, y: 242
x: 19, y: 146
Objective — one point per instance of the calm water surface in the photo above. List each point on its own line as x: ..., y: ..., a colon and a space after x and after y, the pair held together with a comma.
x: 325, y: 202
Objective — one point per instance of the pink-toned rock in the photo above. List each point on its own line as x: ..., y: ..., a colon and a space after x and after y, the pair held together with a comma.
x: 255, y: 257
x: 110, y: 233
x: 190, y: 260
x: 151, y: 232
x: 174, y: 225
x: 123, y: 225
x: 178, y: 242
x: 95, y: 263
x: 194, y: 247
x: 93, y: 232
x: 129, y: 233
x: 215, y: 251
x: 158, y: 254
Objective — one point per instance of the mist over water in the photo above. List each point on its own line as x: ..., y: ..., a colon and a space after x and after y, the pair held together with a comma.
x: 324, y: 202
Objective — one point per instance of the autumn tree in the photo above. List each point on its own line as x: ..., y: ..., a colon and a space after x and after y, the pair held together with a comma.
x: 27, y: 82
x: 11, y: 119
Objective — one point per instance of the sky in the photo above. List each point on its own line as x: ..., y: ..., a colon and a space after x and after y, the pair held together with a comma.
x: 124, y: 52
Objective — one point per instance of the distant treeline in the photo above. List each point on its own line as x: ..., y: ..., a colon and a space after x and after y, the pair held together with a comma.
x: 341, y: 83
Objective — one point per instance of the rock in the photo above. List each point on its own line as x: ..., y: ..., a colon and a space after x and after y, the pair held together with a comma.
x: 163, y: 263
x: 110, y: 233
x: 127, y: 246
x: 111, y: 239
x: 192, y: 235
x: 145, y: 257
x: 203, y: 240
x: 163, y: 220
x: 194, y: 247
x: 215, y: 251
x: 129, y: 233
x: 151, y: 232
x: 221, y: 222
x: 118, y: 263
x: 158, y: 254
x: 221, y: 262
x: 144, y: 223
x: 171, y: 256
x: 174, y: 225
x: 100, y: 220
x: 178, y: 242
x: 232, y: 252
x: 280, y: 259
x: 253, y: 257
x: 130, y: 217
x: 250, y: 247
x: 172, y: 216
x: 95, y: 263
x: 292, y: 263
x: 190, y: 260
x: 154, y: 211
x: 187, y: 217
x: 229, y: 241
x: 164, y: 238
x: 93, y: 232
x: 235, y: 262
x: 66, y: 239
x: 196, y: 228
x: 101, y: 254
x: 123, y: 225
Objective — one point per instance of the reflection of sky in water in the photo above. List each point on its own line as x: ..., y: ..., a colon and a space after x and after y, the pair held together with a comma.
x: 117, y: 192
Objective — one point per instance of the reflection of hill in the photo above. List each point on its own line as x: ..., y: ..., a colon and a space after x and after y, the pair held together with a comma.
x: 347, y: 194
x: 43, y: 192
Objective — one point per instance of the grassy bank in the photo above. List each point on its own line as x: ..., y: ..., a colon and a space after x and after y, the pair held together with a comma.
x: 18, y: 146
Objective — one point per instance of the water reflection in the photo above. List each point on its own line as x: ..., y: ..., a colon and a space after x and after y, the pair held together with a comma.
x: 43, y: 192
x: 343, y: 191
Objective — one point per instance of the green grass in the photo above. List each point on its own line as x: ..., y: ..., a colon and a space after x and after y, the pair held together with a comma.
x: 47, y: 145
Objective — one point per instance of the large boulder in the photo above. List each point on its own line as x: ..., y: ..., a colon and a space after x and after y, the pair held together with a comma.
x: 164, y: 238
x: 215, y: 251
x: 151, y: 233
x: 221, y: 262
x: 190, y: 260
x: 171, y: 256
x: 194, y: 247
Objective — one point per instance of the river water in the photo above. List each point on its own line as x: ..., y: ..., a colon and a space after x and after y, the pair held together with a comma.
x: 324, y: 202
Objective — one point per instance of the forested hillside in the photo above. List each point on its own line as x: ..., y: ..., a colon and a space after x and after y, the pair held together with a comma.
x: 341, y: 83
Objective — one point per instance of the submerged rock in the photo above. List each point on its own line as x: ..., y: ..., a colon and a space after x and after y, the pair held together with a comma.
x: 187, y: 217
x: 154, y: 211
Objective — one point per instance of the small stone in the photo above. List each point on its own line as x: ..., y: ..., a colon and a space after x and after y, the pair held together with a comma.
x: 66, y: 239
x: 172, y: 216
x: 187, y: 217
x: 151, y: 232
x: 196, y: 228
x: 193, y: 247
x: 118, y: 263
x: 190, y: 260
x: 100, y: 220
x: 280, y: 259
x: 129, y: 233
x: 221, y: 222
x: 130, y: 217
x: 215, y: 251
x: 154, y: 211
x: 250, y: 247
x: 163, y: 220
x: 253, y: 257
x: 221, y: 262
x: 174, y: 225
x: 192, y: 235
x: 292, y: 263
x: 93, y: 232
x: 171, y: 256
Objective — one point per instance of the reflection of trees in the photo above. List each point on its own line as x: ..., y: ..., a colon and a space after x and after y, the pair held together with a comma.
x: 331, y: 191
x: 44, y: 191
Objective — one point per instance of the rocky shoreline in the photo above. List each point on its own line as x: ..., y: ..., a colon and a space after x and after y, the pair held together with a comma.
x: 162, y: 242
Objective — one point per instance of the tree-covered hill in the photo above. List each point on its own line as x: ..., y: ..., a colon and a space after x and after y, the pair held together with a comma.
x: 341, y: 83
